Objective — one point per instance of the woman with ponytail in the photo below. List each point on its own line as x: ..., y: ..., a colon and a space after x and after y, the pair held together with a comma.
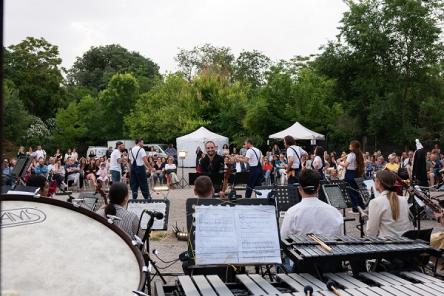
x: 354, y: 165
x: 388, y: 214
x: 118, y: 200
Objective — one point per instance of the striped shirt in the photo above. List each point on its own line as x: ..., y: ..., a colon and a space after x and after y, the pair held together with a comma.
x: 129, y: 222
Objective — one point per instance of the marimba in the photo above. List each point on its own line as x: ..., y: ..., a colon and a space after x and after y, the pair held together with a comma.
x: 365, y: 284
x: 305, y: 251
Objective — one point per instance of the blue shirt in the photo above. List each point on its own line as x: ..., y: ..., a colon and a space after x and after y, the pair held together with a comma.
x: 41, y: 170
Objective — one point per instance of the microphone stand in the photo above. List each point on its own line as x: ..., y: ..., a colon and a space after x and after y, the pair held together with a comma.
x: 145, y: 248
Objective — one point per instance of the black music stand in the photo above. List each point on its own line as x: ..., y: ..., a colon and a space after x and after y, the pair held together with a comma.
x: 228, y: 270
x: 286, y: 196
x: 335, y: 197
x: 137, y: 206
x: 89, y: 200
x: 20, y: 169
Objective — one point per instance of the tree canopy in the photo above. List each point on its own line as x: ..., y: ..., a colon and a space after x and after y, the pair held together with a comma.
x: 380, y: 81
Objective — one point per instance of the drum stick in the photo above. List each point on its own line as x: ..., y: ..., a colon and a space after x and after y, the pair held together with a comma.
x: 308, y: 290
x: 320, y: 242
x: 331, y: 287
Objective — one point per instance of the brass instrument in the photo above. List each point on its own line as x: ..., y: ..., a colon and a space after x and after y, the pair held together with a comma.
x: 426, y: 200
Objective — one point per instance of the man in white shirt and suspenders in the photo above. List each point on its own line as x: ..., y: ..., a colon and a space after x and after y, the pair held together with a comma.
x: 294, y: 158
x: 253, y: 157
x: 138, y: 178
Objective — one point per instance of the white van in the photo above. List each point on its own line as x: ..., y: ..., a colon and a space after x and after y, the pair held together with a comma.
x: 98, y: 151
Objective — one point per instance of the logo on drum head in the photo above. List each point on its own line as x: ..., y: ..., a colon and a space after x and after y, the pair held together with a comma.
x: 21, y: 216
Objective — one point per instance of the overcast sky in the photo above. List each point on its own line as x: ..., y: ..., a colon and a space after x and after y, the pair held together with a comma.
x: 280, y: 29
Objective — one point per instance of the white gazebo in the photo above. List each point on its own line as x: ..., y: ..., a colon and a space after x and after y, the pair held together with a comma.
x: 198, y: 138
x: 298, y: 132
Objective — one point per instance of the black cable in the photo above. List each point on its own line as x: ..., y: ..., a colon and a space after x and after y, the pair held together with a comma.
x: 166, y: 262
x: 165, y: 267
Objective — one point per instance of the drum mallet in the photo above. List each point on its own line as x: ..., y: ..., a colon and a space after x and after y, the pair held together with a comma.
x: 308, y: 290
x: 331, y: 287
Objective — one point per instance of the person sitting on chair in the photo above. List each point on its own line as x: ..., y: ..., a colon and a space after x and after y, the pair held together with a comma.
x: 118, y: 199
x: 311, y: 215
x: 388, y: 213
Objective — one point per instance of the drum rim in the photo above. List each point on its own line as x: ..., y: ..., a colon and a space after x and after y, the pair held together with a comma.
x: 55, y: 202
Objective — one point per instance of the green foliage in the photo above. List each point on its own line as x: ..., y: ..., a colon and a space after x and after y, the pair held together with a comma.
x: 205, y: 58
x: 16, y: 118
x: 117, y: 100
x: 383, y: 63
x: 168, y: 110
x: 98, y: 65
x: 250, y: 67
x: 33, y: 66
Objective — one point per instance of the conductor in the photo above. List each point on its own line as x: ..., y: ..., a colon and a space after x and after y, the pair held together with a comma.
x: 212, y: 165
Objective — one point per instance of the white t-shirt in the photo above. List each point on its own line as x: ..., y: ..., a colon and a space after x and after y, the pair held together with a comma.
x: 317, y: 163
x: 291, y: 153
x: 40, y: 153
x: 140, y: 156
x: 253, y: 155
x: 114, y: 165
x: 351, y: 159
x: 380, y: 222
x: 312, y: 216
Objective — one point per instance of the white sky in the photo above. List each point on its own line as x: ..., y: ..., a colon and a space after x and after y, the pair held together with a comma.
x: 280, y: 29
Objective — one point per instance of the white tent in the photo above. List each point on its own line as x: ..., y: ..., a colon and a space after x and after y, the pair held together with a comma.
x: 199, y: 137
x: 298, y: 132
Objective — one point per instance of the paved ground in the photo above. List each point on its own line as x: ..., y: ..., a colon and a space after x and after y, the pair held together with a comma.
x: 169, y: 247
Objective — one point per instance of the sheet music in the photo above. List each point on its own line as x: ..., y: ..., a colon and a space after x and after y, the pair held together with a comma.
x: 138, y: 207
x: 236, y: 235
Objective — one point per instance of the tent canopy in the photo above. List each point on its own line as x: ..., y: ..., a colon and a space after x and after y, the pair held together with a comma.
x: 198, y: 138
x: 298, y: 132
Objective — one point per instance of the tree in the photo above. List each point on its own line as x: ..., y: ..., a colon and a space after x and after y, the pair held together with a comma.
x: 205, y: 58
x: 250, y: 67
x: 382, y: 61
x: 117, y: 100
x: 33, y: 66
x: 97, y: 66
x: 16, y: 118
x: 168, y: 110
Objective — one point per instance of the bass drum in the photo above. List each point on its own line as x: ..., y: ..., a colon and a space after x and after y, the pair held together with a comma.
x: 50, y: 247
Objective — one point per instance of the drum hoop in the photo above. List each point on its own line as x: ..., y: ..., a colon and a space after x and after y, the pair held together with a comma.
x: 89, y: 213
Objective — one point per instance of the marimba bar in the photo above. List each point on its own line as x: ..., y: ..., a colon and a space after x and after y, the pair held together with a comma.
x: 365, y: 284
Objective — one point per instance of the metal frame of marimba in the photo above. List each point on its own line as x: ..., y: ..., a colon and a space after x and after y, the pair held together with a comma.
x: 365, y: 284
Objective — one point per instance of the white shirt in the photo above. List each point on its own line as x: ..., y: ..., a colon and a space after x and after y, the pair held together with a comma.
x: 75, y: 156
x: 253, y: 155
x: 40, y: 153
x: 114, y: 165
x: 312, y: 216
x: 291, y: 155
x: 317, y: 163
x: 140, y: 156
x: 351, y: 159
x: 380, y: 222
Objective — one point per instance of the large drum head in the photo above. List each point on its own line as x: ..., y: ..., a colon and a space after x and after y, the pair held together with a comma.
x: 50, y: 247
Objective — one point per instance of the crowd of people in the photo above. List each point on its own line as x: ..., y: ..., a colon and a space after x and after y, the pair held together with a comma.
x: 91, y: 171
x: 275, y: 163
